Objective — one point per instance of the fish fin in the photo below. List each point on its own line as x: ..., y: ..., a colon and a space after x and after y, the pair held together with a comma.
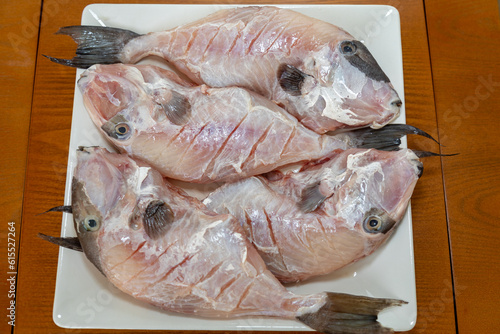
x: 311, y: 198
x: 157, y: 219
x: 62, y: 208
x: 424, y: 154
x: 177, y: 108
x: 68, y: 242
x: 291, y: 79
x: 96, y: 45
x: 387, y: 138
x: 344, y: 313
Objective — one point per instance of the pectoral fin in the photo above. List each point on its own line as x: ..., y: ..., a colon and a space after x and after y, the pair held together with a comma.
x: 311, y: 198
x: 175, y: 106
x: 291, y: 79
x: 158, y: 217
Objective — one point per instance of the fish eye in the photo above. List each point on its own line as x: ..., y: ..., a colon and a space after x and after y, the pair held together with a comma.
x: 122, y: 130
x: 91, y: 223
x: 372, y: 224
x: 348, y: 48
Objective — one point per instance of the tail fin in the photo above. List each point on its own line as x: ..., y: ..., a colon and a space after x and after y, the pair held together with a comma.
x: 344, y: 313
x: 96, y: 45
x: 387, y: 138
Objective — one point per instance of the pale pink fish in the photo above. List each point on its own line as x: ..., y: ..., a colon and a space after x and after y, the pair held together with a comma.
x: 157, y: 244
x: 325, y: 216
x: 317, y: 71
x: 201, y: 134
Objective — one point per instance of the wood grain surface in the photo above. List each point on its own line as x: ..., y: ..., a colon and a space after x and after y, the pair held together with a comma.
x: 18, y: 43
x: 467, y: 93
x: 455, y: 76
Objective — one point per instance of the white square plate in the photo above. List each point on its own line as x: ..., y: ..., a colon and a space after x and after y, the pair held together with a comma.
x: 84, y: 298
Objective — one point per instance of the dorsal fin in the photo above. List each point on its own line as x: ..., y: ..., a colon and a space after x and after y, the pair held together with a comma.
x: 157, y: 219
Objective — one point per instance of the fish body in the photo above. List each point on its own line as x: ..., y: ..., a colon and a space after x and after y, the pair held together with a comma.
x: 326, y: 216
x: 317, y: 71
x: 201, y: 134
x: 222, y: 134
x: 159, y: 245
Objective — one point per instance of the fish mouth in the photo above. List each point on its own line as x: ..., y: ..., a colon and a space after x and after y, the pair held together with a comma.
x: 389, y: 113
x: 420, y: 168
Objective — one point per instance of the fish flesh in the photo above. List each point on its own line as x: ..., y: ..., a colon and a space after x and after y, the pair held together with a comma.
x: 161, y: 246
x: 315, y: 70
x: 201, y: 134
x: 327, y: 215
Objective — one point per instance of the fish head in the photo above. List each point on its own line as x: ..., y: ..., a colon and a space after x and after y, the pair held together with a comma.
x: 113, y: 97
x: 344, y: 87
x: 373, y: 192
x: 96, y: 188
x: 363, y: 87
x: 116, y: 207
x: 127, y: 102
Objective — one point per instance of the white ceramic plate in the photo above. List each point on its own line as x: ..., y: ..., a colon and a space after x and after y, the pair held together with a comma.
x: 84, y: 298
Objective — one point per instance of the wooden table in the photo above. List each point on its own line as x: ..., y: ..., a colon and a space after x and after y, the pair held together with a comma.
x: 452, y: 86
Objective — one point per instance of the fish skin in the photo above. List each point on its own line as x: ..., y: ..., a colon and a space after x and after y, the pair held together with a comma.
x: 201, y: 134
x: 228, y: 134
x: 247, y: 47
x: 352, y: 186
x: 202, y: 264
x: 186, y: 269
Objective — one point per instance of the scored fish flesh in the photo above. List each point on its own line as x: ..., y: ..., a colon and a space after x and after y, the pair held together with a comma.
x: 325, y: 216
x: 201, y: 134
x: 159, y: 245
x: 317, y: 71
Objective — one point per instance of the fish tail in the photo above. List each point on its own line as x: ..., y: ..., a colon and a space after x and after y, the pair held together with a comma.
x: 96, y: 45
x: 344, y: 313
x: 387, y: 138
